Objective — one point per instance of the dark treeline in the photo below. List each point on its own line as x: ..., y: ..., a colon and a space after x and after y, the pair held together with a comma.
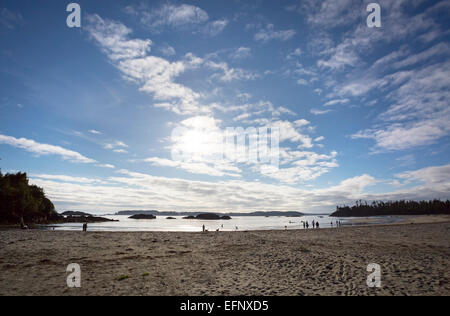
x: 363, y: 209
x: 21, y: 202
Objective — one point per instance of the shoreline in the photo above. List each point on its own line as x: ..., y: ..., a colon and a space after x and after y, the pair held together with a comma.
x: 348, y: 222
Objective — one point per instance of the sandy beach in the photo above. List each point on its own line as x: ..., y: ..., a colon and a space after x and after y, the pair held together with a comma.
x: 414, y: 258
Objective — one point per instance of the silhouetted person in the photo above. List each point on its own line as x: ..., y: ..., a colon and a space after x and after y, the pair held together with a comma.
x: 313, y: 224
x: 204, y: 228
x: 85, y: 227
x: 22, y: 224
x: 317, y: 225
x: 304, y: 225
x: 307, y: 225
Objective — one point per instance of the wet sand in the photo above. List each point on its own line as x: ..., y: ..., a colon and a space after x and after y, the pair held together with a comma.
x: 414, y: 260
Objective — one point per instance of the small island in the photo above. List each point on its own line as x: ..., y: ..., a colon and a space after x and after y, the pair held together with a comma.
x: 143, y: 216
x: 208, y: 216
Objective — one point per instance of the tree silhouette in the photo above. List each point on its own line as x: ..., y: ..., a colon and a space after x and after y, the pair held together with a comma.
x: 21, y: 202
x: 380, y: 208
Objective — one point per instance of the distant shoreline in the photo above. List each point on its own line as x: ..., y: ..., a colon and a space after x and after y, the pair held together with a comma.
x: 259, y: 213
x: 379, y: 221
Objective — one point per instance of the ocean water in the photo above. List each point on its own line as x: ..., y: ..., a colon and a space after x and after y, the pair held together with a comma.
x: 161, y: 224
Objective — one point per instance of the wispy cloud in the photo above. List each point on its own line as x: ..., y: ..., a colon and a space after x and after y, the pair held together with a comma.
x: 319, y: 112
x: 40, y: 149
x: 241, y: 53
x: 10, y: 20
x: 420, y: 113
x: 155, y: 75
x: 117, y: 147
x: 269, y: 33
x: 173, y: 16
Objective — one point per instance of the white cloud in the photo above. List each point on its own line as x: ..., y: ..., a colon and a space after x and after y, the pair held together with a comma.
x: 319, y: 112
x: 216, y: 170
x: 113, y: 39
x: 334, y: 102
x: 405, y: 136
x: 241, y: 53
x: 65, y: 178
x: 341, y: 56
x: 180, y: 17
x: 176, y: 16
x: 301, y: 123
x: 230, y: 74
x: 441, y: 49
x: 430, y: 176
x: 155, y: 75
x: 215, y: 27
x: 290, y: 133
x: 108, y: 166
x: 319, y: 139
x: 40, y: 149
x: 419, y: 114
x: 120, y: 151
x: 95, y: 132
x: 296, y: 53
x: 117, y: 147
x: 331, y: 13
x: 167, y: 50
x: 268, y: 34
x: 115, y: 144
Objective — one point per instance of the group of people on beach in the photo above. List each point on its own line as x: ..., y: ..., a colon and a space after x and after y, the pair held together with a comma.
x: 314, y: 224
x: 338, y: 224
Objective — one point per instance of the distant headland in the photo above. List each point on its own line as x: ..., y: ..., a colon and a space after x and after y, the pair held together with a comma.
x: 23, y: 204
x: 195, y: 214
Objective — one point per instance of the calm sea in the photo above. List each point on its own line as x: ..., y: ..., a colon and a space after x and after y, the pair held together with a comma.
x: 161, y: 224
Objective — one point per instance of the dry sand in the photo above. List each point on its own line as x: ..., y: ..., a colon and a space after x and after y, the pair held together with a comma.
x: 414, y: 259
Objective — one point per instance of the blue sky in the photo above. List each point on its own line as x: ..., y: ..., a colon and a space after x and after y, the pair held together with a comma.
x: 90, y: 113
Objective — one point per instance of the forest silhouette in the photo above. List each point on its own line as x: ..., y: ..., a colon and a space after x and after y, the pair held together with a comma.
x: 21, y: 202
x: 379, y: 208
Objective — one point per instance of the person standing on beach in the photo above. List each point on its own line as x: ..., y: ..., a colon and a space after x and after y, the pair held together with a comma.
x: 85, y: 227
x: 313, y: 224
x: 204, y: 228
x: 307, y: 225
x: 317, y: 225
